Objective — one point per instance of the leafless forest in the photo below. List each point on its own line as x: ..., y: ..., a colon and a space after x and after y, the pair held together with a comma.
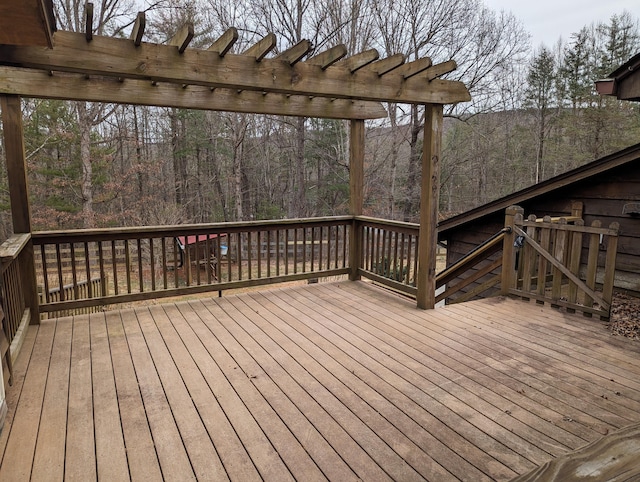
x: 534, y: 114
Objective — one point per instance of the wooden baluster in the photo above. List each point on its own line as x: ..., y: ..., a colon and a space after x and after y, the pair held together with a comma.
x: 60, y: 277
x: 559, y: 249
x: 127, y: 264
x: 45, y: 274
x: 277, y: 252
x: 402, y: 248
x: 610, y: 268
x: 229, y: 244
x: 114, y: 264
x: 528, y: 257
x: 259, y: 253
x: 103, y: 276
x: 574, y: 263
x: 304, y: 250
x: 249, y: 257
x: 239, y: 254
x: 140, y: 272
x: 295, y: 251
x: 152, y: 260
x: 269, y: 254
x: 74, y: 276
x: 176, y: 259
x: 313, y: 248
x: 545, y: 243
x: 163, y: 249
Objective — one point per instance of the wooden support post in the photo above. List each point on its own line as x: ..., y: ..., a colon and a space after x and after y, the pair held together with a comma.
x: 576, y: 209
x: 356, y: 193
x: 429, y: 198
x: 509, y: 273
x: 19, y: 195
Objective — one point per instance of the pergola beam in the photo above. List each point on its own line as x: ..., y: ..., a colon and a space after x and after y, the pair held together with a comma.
x: 64, y: 86
x: 161, y: 63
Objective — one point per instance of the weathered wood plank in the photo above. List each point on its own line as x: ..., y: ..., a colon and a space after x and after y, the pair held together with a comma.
x: 162, y: 63
x: 39, y: 84
x: 180, y: 341
x: 48, y: 462
x: 141, y: 453
x: 322, y: 364
x: 317, y: 382
x: 437, y: 413
x: 172, y: 455
x: 24, y: 427
x: 80, y: 456
x: 332, y: 380
x: 111, y: 457
x: 13, y: 395
x: 244, y: 413
x: 613, y: 457
x: 202, y: 454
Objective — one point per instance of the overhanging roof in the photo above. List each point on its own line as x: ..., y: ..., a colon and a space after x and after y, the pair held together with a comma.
x: 27, y: 22
x: 83, y: 66
x: 630, y: 154
x: 624, y: 82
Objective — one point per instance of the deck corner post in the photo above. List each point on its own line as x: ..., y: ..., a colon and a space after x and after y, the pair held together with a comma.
x: 16, y: 163
x: 429, y: 207
x: 356, y: 192
x: 508, y: 276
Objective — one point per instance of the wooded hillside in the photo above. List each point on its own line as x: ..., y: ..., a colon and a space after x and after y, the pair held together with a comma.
x: 534, y: 114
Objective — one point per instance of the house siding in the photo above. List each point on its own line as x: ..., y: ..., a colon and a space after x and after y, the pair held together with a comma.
x: 603, y: 196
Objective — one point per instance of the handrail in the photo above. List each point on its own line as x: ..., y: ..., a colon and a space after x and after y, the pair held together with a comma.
x: 12, y: 247
x: 177, y: 230
x: 154, y: 262
x: 17, y: 313
x: 483, y: 250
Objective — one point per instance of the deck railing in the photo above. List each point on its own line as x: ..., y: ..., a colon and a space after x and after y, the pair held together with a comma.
x: 558, y: 263
x: 389, y: 252
x: 158, y: 262
x: 12, y: 285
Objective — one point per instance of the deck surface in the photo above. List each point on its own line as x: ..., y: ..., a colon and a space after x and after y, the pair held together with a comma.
x: 339, y: 381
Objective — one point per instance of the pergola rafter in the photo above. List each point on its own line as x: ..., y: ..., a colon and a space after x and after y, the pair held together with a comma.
x: 88, y: 67
x: 360, y: 77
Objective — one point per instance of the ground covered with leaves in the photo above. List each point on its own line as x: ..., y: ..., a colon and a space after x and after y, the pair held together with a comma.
x: 625, y: 316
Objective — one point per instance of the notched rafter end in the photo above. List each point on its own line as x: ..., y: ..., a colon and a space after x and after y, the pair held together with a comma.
x: 137, y: 31
x: 183, y: 37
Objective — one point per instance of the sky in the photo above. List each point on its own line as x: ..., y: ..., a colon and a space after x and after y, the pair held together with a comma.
x: 547, y: 20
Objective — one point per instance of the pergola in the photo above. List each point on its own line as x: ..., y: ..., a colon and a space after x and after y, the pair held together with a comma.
x: 37, y: 61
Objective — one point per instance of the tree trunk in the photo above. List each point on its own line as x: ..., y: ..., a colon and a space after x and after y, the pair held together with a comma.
x: 84, y: 126
x: 300, y: 194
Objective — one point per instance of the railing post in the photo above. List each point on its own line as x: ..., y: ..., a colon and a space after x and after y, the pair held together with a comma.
x: 508, y: 277
x: 356, y: 195
x: 610, y: 266
x: 19, y: 196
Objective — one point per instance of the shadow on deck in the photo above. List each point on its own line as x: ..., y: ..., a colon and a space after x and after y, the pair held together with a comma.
x: 334, y: 381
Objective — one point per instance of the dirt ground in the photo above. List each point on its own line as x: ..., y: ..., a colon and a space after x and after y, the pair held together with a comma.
x: 625, y: 316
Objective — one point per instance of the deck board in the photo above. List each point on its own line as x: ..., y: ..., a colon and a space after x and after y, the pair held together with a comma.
x: 337, y: 381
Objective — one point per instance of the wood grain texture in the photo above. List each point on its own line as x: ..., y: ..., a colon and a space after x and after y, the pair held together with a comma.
x: 337, y: 381
x: 39, y: 84
x: 162, y: 63
x: 429, y: 198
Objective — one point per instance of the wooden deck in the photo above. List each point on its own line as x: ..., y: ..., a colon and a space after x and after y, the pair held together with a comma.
x: 335, y: 381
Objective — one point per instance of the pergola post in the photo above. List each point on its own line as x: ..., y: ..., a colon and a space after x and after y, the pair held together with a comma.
x: 429, y: 197
x: 356, y: 194
x: 19, y: 195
